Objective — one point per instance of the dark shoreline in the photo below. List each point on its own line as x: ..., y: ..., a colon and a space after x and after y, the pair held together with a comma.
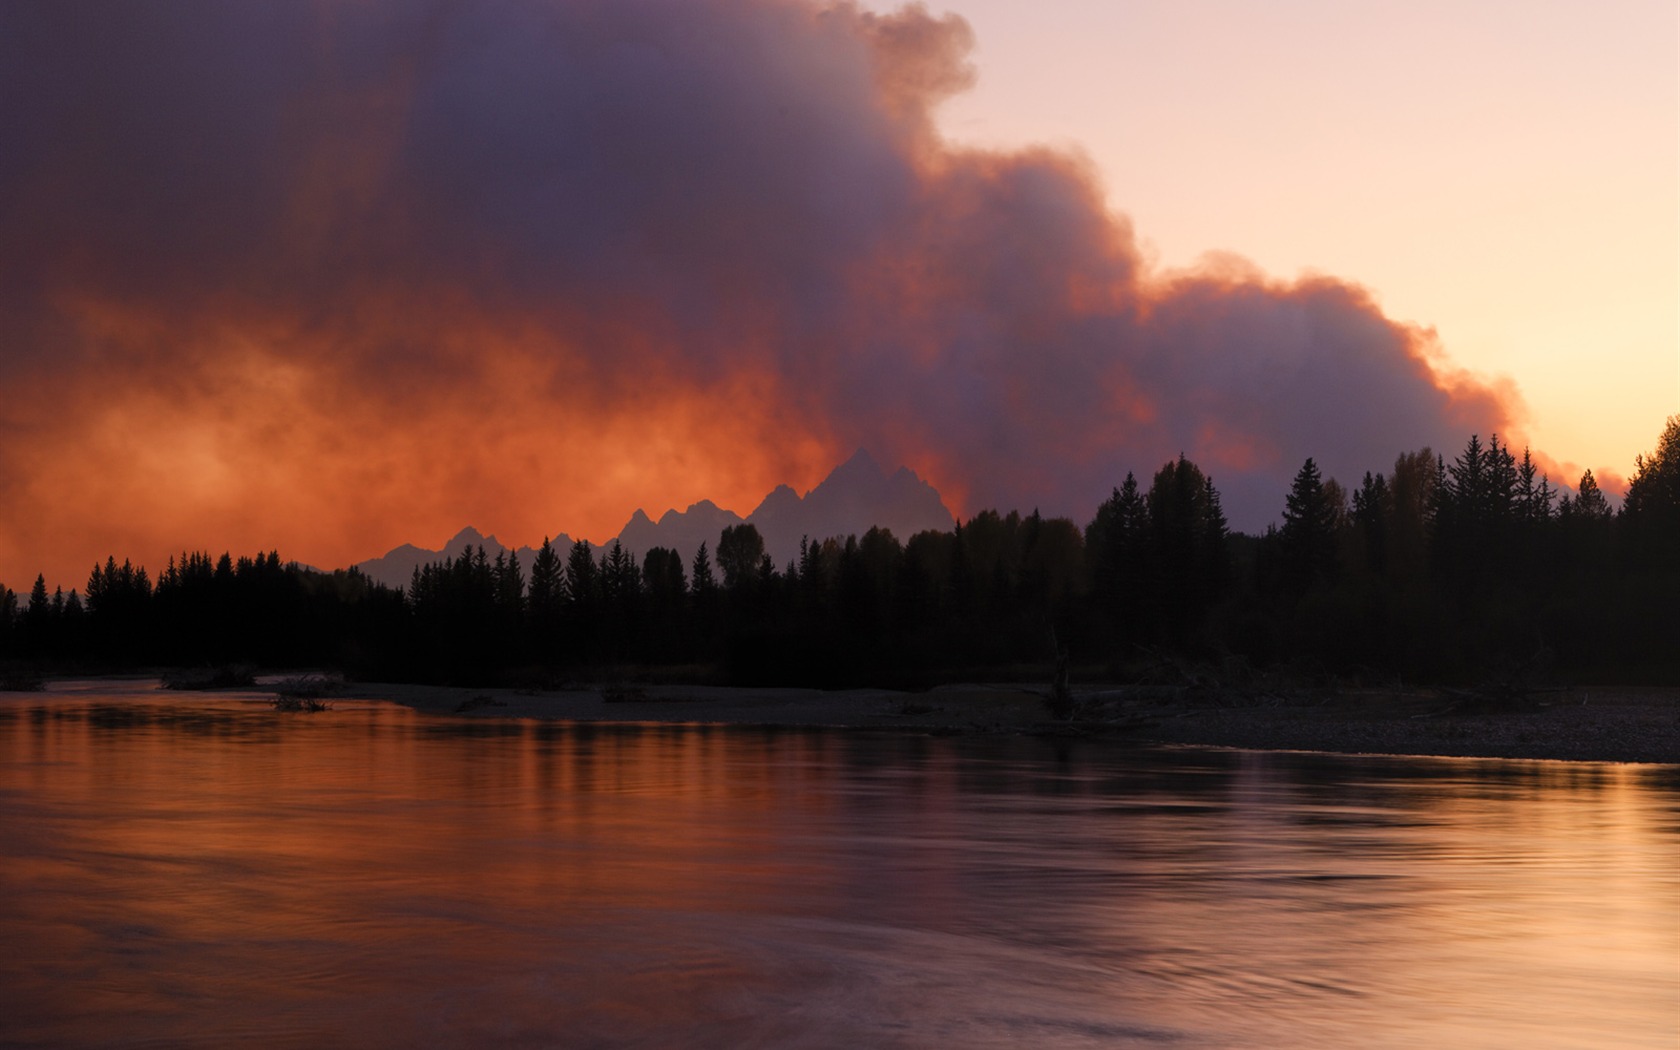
x: 1628, y: 724
x: 1622, y: 724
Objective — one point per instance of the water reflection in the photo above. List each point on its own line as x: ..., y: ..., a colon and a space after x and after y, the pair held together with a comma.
x: 202, y: 872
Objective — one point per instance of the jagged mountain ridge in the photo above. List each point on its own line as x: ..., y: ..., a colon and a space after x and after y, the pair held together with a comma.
x: 855, y: 496
x: 395, y: 568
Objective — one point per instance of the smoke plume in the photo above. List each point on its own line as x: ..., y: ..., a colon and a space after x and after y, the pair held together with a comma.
x: 331, y: 276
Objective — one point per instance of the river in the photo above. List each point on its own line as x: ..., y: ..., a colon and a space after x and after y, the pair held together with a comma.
x: 204, y: 871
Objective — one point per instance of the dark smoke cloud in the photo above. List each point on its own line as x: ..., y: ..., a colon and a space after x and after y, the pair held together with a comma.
x: 332, y: 276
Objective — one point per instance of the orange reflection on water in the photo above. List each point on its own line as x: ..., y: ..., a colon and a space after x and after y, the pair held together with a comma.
x: 212, y: 871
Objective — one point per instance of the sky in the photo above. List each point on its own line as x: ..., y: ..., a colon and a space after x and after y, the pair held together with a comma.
x: 1506, y: 172
x: 333, y: 277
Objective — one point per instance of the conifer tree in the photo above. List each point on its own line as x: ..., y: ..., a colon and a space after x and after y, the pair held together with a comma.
x: 1651, y: 512
x: 1308, y: 536
x: 8, y: 619
x: 509, y: 580
x: 1115, y: 546
x: 1372, y: 508
x: 701, y: 580
x: 583, y: 590
x: 1590, y: 504
x: 1190, y: 565
x: 547, y: 582
x: 37, y: 618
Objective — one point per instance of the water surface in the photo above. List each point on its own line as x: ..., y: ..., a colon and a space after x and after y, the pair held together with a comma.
x: 181, y: 872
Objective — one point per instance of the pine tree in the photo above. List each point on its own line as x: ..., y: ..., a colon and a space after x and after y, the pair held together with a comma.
x: 547, y: 582
x: 37, y: 619
x: 1372, y: 508
x: 701, y: 580
x: 1590, y: 504
x: 583, y: 589
x: 509, y: 581
x: 1115, y: 546
x: 1189, y: 562
x: 1308, y: 536
x: 1651, y: 512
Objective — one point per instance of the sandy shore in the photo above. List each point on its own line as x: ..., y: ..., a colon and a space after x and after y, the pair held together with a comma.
x: 1606, y: 725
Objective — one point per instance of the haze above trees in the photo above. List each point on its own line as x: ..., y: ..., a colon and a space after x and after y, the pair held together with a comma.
x: 1442, y: 568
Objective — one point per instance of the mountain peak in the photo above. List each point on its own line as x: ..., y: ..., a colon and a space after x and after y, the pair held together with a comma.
x: 855, y: 496
x: 468, y: 536
x: 860, y: 467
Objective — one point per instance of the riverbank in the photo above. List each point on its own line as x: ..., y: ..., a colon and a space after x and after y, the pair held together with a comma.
x: 1621, y: 724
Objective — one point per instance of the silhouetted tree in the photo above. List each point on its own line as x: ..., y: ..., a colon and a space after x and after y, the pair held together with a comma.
x: 663, y: 578
x: 1651, y: 513
x: 583, y: 580
x: 1308, y: 537
x: 1444, y: 570
x: 545, y: 602
x: 509, y: 582
x: 1191, y: 565
x: 1476, y: 511
x: 701, y: 580
x: 740, y: 550
x: 1372, y: 510
x: 1116, y: 549
x: 1589, y: 504
x: 8, y: 622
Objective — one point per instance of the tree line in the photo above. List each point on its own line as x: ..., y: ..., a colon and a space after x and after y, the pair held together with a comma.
x: 1439, y: 569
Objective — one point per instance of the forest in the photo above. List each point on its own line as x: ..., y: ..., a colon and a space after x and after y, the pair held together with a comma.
x: 1446, y: 569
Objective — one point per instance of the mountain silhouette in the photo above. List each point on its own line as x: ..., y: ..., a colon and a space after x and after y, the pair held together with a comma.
x: 395, y: 568
x: 856, y: 496
x: 682, y: 531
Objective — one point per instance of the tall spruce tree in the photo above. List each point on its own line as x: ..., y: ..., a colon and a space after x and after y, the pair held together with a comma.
x: 1308, y: 536
x: 1189, y: 562
x: 1651, y: 513
x: 1115, y: 547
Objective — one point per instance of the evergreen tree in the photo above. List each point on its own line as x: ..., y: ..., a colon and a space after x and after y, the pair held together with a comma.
x: 1414, y: 494
x: 1190, y: 562
x: 546, y: 600
x: 509, y: 581
x: 663, y: 578
x: 8, y: 621
x: 583, y: 588
x: 37, y: 619
x: 1372, y: 509
x: 701, y: 579
x: 1115, y: 547
x: 1475, y: 510
x: 1308, y: 536
x: 1534, y: 492
x: 1651, y: 512
x: 1590, y: 504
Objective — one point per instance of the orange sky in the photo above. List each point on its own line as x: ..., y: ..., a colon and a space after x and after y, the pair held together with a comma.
x: 329, y: 280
